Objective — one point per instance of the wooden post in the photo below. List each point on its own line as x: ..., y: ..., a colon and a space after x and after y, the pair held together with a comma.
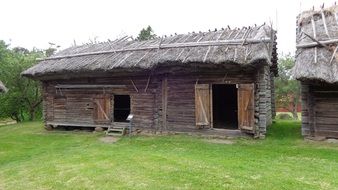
x: 132, y: 82
x: 333, y: 54
x: 324, y: 23
x: 145, y: 90
x: 164, y: 101
x: 211, y: 109
x: 314, y: 36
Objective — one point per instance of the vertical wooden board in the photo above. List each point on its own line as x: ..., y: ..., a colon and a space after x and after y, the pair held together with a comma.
x: 96, y: 113
x: 107, y: 107
x: 325, y: 115
x: 211, y: 109
x: 202, y: 105
x: 102, y: 111
x: 96, y: 108
x: 112, y: 108
x: 246, y: 106
x: 164, y: 101
x: 311, y: 110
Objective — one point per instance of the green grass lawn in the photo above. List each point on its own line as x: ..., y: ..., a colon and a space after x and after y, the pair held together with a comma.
x: 32, y: 158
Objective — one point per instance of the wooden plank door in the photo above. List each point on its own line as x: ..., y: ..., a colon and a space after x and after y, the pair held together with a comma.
x: 202, y: 105
x: 246, y: 106
x: 102, y: 109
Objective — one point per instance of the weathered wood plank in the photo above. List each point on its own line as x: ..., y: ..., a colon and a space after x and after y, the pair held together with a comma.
x: 157, y: 109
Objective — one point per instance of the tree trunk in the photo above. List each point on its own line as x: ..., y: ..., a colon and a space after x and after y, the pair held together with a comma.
x: 295, y: 115
x: 294, y: 109
x: 15, y: 116
x: 32, y: 115
x: 22, y: 117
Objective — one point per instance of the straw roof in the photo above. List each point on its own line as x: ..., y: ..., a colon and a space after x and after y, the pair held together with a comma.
x: 2, y: 87
x: 240, y: 46
x: 317, y: 38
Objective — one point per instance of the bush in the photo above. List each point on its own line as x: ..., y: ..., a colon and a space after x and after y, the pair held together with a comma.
x: 284, y: 116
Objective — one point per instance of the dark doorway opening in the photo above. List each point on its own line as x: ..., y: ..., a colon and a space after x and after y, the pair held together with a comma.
x: 224, y: 105
x: 121, y: 108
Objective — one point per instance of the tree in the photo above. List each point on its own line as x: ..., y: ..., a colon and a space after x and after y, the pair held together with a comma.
x: 51, y: 50
x: 287, y: 89
x: 24, y: 97
x: 146, y: 34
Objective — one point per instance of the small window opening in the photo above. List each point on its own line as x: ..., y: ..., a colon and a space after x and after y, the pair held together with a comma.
x: 121, y: 108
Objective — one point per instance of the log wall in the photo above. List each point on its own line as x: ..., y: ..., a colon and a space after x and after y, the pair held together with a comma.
x: 181, y: 96
x: 269, y: 103
x: 75, y: 106
x: 307, y: 124
x: 319, y: 109
x: 159, y: 102
x: 264, y: 99
x: 273, y: 100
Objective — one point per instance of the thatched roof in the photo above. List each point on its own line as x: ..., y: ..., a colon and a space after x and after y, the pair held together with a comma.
x: 2, y: 87
x: 240, y: 46
x: 317, y: 38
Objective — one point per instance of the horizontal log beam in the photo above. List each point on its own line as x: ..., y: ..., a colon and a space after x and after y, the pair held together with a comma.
x: 55, y: 124
x: 79, y: 86
x: 315, y: 44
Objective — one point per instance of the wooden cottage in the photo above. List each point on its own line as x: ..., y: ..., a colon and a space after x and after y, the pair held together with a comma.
x: 317, y: 69
x: 2, y: 87
x: 216, y: 82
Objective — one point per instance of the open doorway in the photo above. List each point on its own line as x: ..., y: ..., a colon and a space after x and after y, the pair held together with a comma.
x: 121, y: 108
x: 224, y: 104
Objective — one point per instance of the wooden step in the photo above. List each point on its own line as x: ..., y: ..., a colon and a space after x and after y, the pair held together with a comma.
x: 114, y: 134
x: 116, y: 131
x: 116, y: 128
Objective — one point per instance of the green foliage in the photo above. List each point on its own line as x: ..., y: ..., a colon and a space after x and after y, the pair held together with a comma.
x: 79, y: 160
x: 146, y: 34
x: 50, y: 51
x: 287, y: 89
x: 23, y: 97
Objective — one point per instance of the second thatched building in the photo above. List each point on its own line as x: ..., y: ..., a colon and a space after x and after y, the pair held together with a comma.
x: 317, y: 69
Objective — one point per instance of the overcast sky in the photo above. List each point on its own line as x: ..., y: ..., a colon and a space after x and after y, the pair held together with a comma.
x: 34, y: 23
